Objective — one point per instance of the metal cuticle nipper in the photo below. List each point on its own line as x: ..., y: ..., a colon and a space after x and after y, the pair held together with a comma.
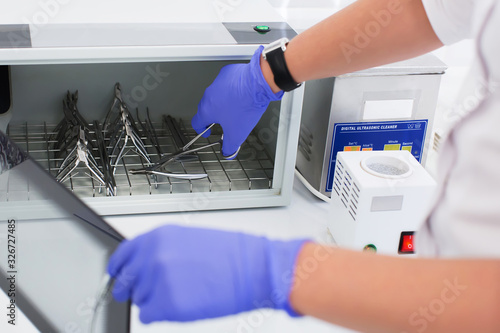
x: 80, y: 154
x: 120, y: 127
x: 165, y: 160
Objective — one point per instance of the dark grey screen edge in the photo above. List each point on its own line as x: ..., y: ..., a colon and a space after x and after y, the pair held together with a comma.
x: 36, y: 318
x: 14, y: 156
x: 34, y: 315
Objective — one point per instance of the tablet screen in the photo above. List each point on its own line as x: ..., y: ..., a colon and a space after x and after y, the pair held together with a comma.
x: 53, y: 251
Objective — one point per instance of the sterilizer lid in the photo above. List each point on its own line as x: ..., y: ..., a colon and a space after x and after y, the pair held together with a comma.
x: 57, y: 26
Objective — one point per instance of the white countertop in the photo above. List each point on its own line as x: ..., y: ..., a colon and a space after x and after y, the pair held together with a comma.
x: 305, y: 217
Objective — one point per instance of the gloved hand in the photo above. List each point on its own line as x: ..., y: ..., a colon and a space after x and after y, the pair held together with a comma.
x: 236, y: 100
x: 182, y: 274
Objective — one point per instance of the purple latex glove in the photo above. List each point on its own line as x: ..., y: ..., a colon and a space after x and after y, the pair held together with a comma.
x: 236, y: 100
x: 182, y: 274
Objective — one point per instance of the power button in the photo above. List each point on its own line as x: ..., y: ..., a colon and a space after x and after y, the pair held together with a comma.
x: 262, y: 29
x: 406, y: 245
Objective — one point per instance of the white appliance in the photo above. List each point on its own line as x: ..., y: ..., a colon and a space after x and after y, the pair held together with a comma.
x: 379, y: 200
x: 390, y: 107
x: 164, y: 54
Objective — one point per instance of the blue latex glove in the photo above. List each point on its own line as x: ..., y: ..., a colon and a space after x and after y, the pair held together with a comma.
x: 236, y: 100
x: 183, y: 274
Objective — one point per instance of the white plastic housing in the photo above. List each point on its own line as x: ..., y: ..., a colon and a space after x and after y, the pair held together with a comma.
x: 377, y: 196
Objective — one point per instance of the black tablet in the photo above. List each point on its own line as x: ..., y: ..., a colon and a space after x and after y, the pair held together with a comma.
x: 53, y: 251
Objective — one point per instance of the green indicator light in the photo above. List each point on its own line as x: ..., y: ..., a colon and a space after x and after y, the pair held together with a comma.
x: 262, y: 29
x: 370, y: 248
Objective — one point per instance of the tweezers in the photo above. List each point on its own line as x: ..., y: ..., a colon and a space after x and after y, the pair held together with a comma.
x: 105, y: 162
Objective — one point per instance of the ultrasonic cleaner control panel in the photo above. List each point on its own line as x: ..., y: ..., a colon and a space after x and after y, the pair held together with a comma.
x: 366, y: 136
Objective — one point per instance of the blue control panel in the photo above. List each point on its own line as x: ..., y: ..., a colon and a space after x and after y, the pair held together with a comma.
x: 388, y: 135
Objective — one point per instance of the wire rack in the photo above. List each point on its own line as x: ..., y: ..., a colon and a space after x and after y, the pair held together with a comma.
x: 251, y: 170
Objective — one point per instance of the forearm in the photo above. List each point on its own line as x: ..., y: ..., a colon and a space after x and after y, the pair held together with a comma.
x: 373, y: 293
x: 365, y: 34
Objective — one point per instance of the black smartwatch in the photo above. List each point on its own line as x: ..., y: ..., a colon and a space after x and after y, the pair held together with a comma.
x: 274, y: 53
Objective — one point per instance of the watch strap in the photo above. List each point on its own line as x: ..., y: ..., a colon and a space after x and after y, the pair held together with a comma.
x: 282, y: 76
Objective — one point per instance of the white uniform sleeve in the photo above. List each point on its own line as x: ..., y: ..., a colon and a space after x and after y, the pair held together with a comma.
x: 450, y: 19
